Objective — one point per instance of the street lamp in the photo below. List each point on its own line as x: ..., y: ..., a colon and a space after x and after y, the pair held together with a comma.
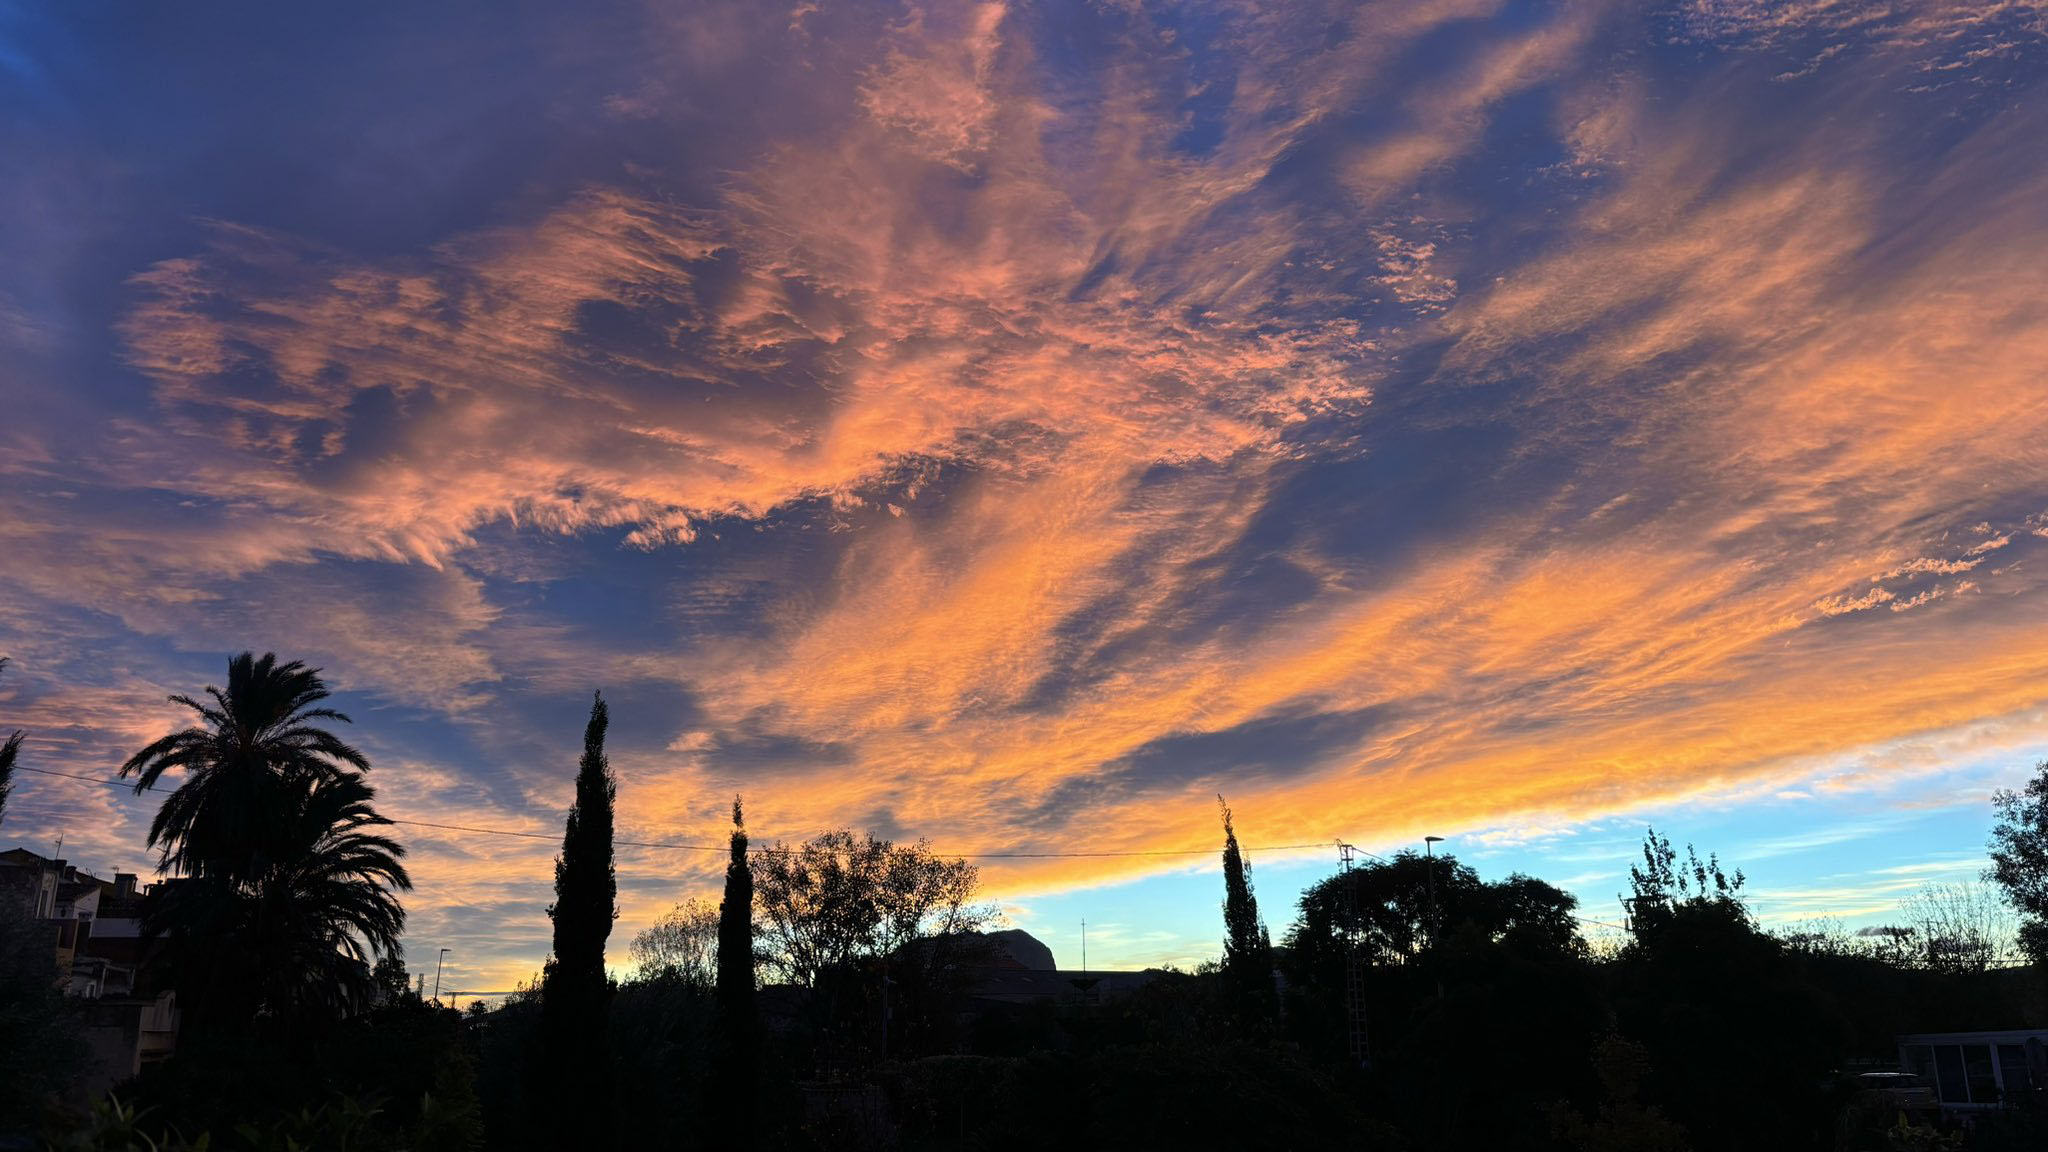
x: 437, y: 975
x: 1429, y: 856
x: 1435, y: 922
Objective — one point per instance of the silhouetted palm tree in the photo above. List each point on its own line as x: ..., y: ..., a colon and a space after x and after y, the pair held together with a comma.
x: 285, y: 890
x: 261, y: 739
x: 301, y: 937
x: 337, y: 900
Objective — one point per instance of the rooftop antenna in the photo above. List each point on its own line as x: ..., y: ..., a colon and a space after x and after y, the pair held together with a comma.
x: 1084, y: 947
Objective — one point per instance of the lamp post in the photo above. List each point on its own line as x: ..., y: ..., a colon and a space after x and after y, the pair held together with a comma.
x: 1435, y: 923
x: 1429, y: 858
x: 437, y: 976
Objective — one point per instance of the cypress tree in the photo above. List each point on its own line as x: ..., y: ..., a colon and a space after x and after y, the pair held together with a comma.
x: 733, y: 1097
x: 1247, y: 950
x: 574, y: 990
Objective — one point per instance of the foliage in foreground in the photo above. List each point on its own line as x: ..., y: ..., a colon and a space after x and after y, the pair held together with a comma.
x: 40, y: 1051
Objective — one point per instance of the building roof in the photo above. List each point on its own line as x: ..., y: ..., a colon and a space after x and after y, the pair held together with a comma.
x: 1019, y: 985
x: 19, y: 868
x: 23, y: 858
x: 2002, y: 1036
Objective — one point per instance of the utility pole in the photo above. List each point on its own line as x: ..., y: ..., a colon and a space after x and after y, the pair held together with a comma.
x: 1354, y: 966
x: 1084, y: 984
x: 437, y: 975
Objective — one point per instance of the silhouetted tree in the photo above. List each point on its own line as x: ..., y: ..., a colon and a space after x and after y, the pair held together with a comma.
x: 1958, y: 929
x: 260, y: 742
x: 1390, y: 899
x: 8, y: 752
x: 735, y: 957
x: 297, y: 939
x: 1531, y: 918
x: 574, y: 990
x: 2019, y: 858
x: 392, y: 981
x: 839, y: 898
x: 682, y: 945
x: 1507, y: 961
x: 1698, y: 981
x: 283, y: 892
x: 1663, y: 890
x: 736, y: 1022
x: 1247, y: 949
x: 876, y: 931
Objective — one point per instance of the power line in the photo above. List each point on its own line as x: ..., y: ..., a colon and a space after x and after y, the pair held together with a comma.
x: 76, y: 776
x: 668, y: 846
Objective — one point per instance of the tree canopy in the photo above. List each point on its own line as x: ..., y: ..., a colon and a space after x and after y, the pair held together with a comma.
x: 839, y: 898
x: 2019, y: 857
x: 681, y: 945
x: 259, y: 739
x: 1391, y: 899
x: 1663, y: 891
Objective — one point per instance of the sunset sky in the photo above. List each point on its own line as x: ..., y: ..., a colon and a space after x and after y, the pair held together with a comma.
x: 1014, y: 424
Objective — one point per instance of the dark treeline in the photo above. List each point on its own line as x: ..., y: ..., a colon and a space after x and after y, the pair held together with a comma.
x: 849, y: 993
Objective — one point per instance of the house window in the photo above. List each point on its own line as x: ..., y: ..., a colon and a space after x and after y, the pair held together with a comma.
x: 1983, y: 1081
x: 1948, y: 1067
x: 2012, y: 1069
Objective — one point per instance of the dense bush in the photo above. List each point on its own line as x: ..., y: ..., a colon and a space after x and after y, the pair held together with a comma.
x: 399, y: 1076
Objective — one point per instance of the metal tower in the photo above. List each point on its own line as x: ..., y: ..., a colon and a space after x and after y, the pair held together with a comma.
x: 1354, y: 966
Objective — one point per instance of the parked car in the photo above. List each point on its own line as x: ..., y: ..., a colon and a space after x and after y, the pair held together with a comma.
x: 1880, y: 1102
